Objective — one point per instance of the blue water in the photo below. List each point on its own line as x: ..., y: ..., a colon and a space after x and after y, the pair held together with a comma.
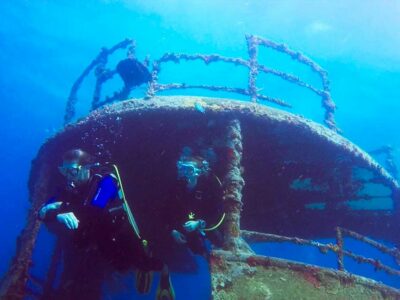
x: 44, y: 45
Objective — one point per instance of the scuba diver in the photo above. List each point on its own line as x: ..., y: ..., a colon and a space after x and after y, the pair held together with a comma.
x: 200, y: 194
x: 98, y: 231
x: 132, y: 72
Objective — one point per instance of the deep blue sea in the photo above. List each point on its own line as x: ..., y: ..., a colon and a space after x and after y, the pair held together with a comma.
x: 45, y: 45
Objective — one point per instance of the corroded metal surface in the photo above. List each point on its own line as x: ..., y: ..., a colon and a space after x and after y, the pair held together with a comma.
x: 233, y: 186
x: 236, y: 277
x: 214, y: 105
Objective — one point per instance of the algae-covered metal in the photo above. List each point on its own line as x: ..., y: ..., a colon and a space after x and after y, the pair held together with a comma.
x: 301, y: 179
x: 237, y: 277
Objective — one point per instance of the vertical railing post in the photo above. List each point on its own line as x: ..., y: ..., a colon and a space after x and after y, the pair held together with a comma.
x: 233, y: 184
x: 252, y: 48
x: 152, y: 86
x: 340, y: 244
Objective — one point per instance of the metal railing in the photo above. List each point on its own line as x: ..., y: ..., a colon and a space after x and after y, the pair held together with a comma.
x: 253, y: 44
x: 337, y: 248
x: 103, y: 74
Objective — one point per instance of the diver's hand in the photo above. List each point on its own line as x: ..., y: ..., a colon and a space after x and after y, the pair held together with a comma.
x: 193, y: 225
x: 178, y: 237
x: 46, y: 208
x: 68, y: 219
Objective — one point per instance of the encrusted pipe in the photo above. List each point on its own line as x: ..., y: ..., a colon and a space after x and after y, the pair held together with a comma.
x: 13, y: 284
x: 252, y: 48
x: 233, y: 185
x: 339, y: 241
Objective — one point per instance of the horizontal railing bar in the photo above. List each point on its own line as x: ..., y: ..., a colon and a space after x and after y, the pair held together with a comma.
x: 170, y: 86
x: 291, y: 78
x: 390, y: 251
x: 254, y: 236
x: 176, y: 57
x: 297, y: 56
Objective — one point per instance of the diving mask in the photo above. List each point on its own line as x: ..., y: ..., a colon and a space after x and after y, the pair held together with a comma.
x: 75, y: 173
x: 189, y: 171
x: 70, y: 169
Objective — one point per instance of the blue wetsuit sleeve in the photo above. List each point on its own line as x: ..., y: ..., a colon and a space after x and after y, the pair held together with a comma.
x: 107, y: 191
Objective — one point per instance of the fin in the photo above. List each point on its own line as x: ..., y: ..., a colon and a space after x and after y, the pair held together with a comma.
x: 165, y: 290
x: 144, y: 280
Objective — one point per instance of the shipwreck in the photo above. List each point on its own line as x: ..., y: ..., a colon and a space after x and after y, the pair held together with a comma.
x: 281, y: 167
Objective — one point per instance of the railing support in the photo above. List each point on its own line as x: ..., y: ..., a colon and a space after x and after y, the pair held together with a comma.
x: 233, y: 184
x: 340, y: 244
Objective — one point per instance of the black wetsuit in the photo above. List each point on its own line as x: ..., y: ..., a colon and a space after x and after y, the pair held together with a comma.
x: 133, y: 72
x: 205, y: 202
x: 104, y: 241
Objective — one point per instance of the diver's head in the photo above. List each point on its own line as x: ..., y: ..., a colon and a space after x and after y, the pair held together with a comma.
x: 76, y: 166
x: 190, y: 169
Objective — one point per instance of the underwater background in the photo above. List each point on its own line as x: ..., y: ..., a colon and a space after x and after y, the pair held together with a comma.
x: 45, y: 45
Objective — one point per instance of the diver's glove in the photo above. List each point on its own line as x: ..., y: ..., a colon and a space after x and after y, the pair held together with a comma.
x: 52, y: 206
x: 68, y: 219
x: 178, y: 237
x: 193, y: 225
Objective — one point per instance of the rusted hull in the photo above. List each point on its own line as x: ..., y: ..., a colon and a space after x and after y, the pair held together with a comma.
x: 240, y: 277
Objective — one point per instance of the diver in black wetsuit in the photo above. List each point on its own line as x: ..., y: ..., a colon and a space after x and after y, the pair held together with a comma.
x: 132, y: 72
x: 90, y: 218
x: 199, y: 204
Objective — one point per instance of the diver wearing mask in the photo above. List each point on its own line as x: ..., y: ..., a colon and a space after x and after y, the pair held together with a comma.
x: 200, y: 197
x: 97, y: 228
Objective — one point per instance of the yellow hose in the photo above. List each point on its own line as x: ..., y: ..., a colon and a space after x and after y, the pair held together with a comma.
x: 126, y: 206
x: 216, y: 226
